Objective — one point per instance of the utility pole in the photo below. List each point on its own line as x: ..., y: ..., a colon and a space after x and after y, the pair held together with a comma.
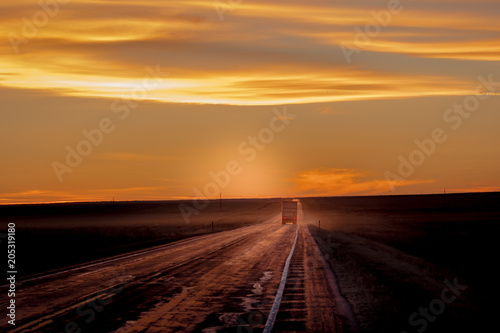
x: 444, y: 197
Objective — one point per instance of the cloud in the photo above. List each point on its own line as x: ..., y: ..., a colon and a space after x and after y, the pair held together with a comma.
x: 474, y: 189
x: 264, y: 52
x: 48, y: 196
x: 345, y: 182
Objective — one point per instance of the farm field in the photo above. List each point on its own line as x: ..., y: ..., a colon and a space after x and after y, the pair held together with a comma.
x: 403, y: 263
x: 392, y: 255
x: 57, y: 235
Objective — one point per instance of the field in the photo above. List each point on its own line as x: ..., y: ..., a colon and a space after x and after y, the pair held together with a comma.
x: 404, y: 263
x: 51, y: 236
x: 392, y: 255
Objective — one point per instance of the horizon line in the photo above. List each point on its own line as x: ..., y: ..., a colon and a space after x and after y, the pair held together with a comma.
x: 173, y: 199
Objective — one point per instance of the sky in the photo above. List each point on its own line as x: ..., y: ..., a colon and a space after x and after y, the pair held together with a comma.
x: 156, y: 100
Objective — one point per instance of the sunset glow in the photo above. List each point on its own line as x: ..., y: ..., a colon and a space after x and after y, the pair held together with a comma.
x: 344, y: 90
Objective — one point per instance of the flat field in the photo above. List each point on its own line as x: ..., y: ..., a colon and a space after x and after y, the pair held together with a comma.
x: 419, y: 263
x: 392, y: 255
x: 51, y: 236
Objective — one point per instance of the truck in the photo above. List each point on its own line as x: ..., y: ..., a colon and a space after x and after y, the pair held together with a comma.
x: 289, y: 212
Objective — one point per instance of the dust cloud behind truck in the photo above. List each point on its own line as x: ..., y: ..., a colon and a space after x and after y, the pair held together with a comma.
x: 289, y: 212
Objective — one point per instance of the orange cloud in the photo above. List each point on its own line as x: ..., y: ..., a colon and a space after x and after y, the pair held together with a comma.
x: 344, y: 182
x: 47, y: 196
x: 474, y: 189
x: 267, y: 53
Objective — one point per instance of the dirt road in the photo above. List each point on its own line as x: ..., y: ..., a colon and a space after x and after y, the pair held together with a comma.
x: 222, y: 282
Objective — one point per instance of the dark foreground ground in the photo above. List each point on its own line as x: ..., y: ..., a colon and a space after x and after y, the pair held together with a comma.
x: 392, y: 255
x: 405, y: 263
x: 52, y: 236
x: 219, y: 282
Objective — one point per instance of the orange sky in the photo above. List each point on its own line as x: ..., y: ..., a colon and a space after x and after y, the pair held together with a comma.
x: 299, y: 98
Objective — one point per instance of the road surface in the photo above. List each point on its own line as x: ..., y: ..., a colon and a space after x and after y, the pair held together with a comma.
x: 222, y: 282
